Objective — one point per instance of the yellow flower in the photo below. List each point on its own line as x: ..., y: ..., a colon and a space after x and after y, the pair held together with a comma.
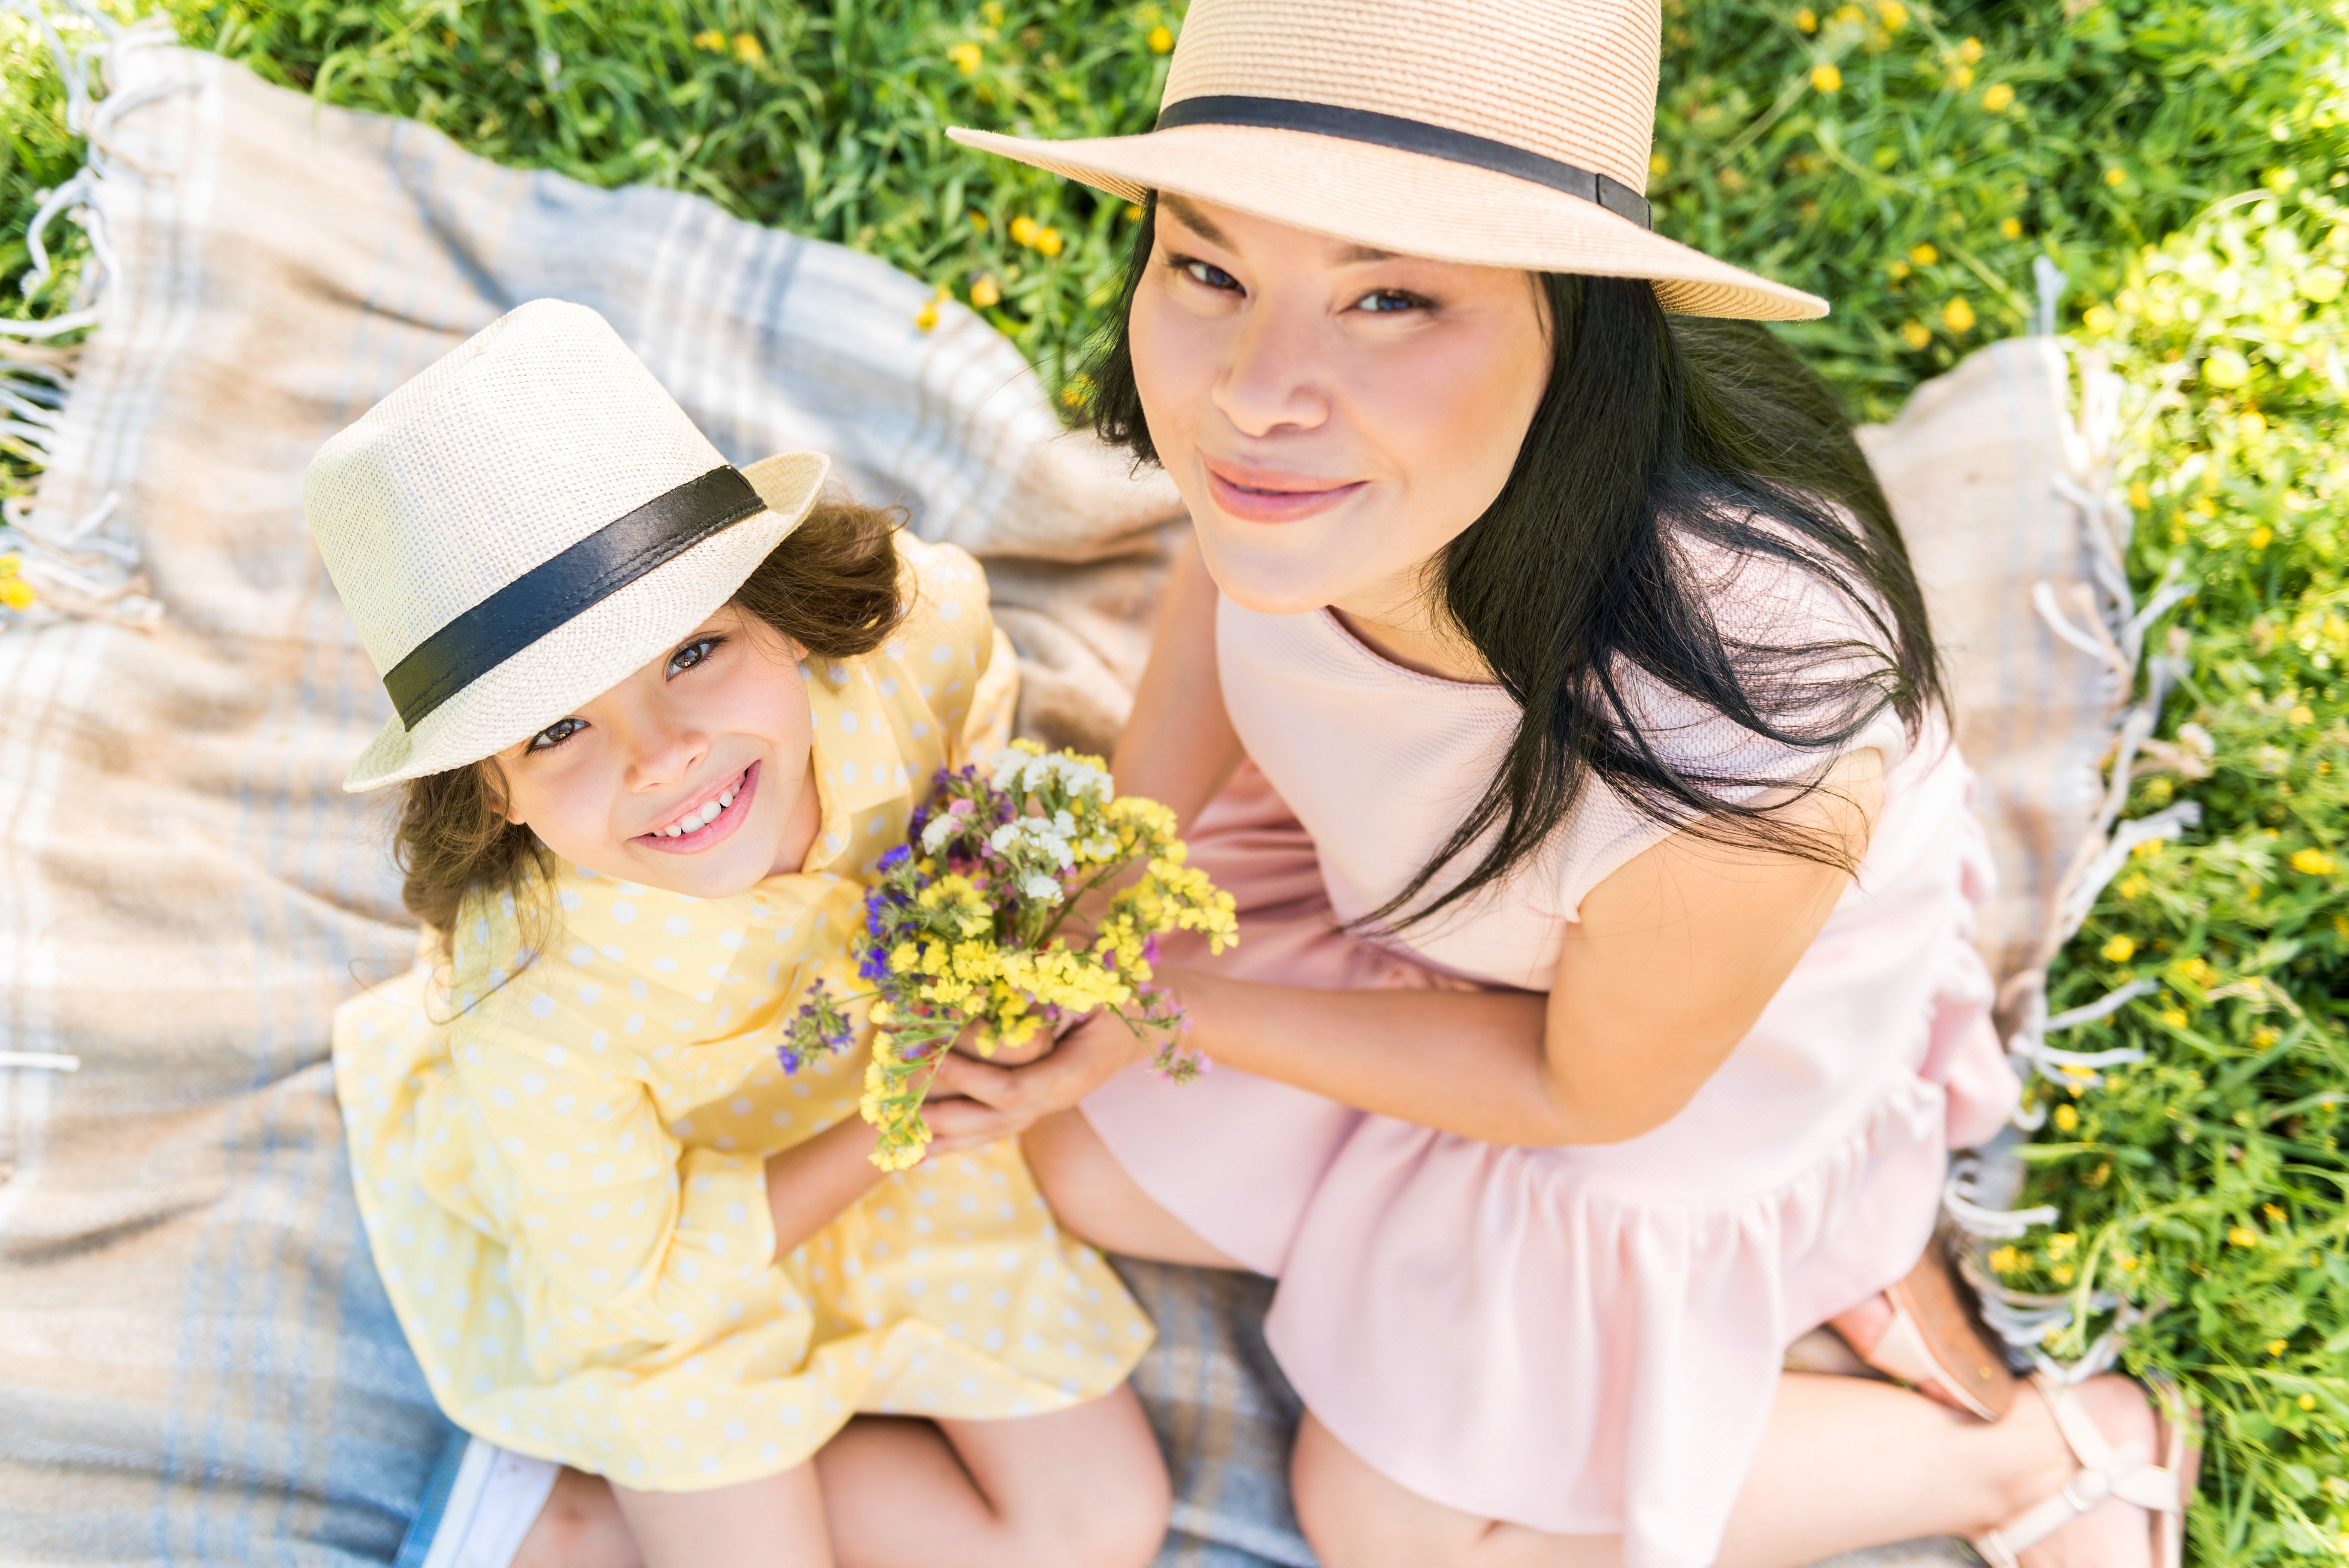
x: 2313, y: 863
x: 1807, y: 20
x: 1961, y: 78
x: 2116, y: 175
x: 2140, y: 496
x: 992, y: 13
x: 1658, y: 165
x: 2270, y: 1209
x: 1160, y: 40
x: 1850, y: 16
x: 2278, y: 1346
x: 925, y: 318
x: 712, y: 40
x: 1896, y: 269
x: 2262, y: 537
x: 2307, y: 1401
x: 2242, y: 1236
x: 1892, y: 14
x: 2099, y: 319
x: 2119, y: 950
x: 2066, y: 1119
x: 965, y: 57
x: 2199, y: 971
x: 2062, y: 1274
x: 2261, y: 1038
x: 1048, y: 241
x: 2005, y: 1260
x: 1971, y: 51
x: 1997, y: 96
x: 2301, y: 715
x: 1826, y: 79
x: 1924, y: 255
x: 747, y: 49
x: 1024, y: 230
x: 1958, y: 316
x: 2010, y: 228
x: 1916, y: 335
x: 16, y: 593
x: 2173, y: 1017
x: 1132, y: 211
x: 2251, y: 424
x: 985, y: 292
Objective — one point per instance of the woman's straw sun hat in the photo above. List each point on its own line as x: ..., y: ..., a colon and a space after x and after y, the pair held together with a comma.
x: 525, y: 524
x: 1510, y: 133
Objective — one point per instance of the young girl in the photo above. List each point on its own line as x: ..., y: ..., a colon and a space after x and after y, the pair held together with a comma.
x: 1551, y: 685
x: 655, y: 716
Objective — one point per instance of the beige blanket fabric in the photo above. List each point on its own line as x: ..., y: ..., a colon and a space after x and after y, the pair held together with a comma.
x: 196, y: 1360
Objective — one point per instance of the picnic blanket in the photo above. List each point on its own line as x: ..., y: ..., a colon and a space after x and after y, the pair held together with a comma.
x: 197, y: 1362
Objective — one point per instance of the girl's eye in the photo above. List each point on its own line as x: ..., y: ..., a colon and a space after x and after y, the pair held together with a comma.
x: 1208, y: 274
x: 556, y: 734
x: 1389, y: 302
x: 692, y: 654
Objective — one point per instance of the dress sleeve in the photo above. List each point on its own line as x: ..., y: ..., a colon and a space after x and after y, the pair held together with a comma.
x: 615, y: 1234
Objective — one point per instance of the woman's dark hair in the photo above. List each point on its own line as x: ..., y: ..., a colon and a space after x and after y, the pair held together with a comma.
x: 1655, y: 434
x: 831, y: 586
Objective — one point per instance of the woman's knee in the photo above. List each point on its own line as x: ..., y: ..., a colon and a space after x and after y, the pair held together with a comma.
x: 1093, y: 1198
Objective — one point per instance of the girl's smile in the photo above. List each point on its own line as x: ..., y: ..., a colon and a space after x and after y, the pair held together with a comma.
x: 709, y: 821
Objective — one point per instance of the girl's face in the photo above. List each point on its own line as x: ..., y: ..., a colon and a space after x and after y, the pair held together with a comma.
x: 696, y: 774
x: 1333, y: 415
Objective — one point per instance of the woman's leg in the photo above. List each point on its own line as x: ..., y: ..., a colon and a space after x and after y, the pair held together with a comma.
x: 1846, y: 1463
x: 1083, y: 1487
x: 1092, y: 1197
x: 1076, y: 1489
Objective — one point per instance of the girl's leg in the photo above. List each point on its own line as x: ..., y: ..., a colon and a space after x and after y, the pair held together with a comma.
x: 580, y: 1527
x: 774, y: 1522
x: 1845, y: 1463
x: 1092, y: 1197
x: 1084, y: 1488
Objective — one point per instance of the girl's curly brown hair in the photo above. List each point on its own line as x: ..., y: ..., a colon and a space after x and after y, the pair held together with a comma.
x: 831, y: 586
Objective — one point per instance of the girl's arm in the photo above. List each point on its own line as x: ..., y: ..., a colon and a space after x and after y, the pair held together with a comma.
x: 809, y: 1183
x: 1179, y: 746
x: 1675, y: 956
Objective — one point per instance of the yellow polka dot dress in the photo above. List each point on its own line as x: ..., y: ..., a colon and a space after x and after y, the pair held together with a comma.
x: 560, y: 1165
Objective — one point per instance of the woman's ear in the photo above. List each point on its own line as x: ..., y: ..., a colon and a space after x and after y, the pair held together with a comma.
x: 495, y: 794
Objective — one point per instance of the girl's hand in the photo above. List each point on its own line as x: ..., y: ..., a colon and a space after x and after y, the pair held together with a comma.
x: 968, y: 1047
x: 996, y: 1101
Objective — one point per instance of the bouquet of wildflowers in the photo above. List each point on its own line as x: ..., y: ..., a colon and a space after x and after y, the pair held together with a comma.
x: 964, y: 930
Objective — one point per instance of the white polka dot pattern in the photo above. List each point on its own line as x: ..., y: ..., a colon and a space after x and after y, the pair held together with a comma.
x: 564, y: 1186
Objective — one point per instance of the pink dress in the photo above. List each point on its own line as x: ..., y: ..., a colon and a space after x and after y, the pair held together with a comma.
x: 1585, y: 1340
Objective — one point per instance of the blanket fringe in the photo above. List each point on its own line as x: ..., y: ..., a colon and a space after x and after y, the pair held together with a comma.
x: 2105, y: 622
x: 54, y: 568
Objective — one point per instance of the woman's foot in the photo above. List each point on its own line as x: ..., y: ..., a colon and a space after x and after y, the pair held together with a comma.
x: 2113, y: 1533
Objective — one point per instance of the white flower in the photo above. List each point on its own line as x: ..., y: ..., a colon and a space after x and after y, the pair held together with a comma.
x: 1043, y: 889
x: 941, y: 828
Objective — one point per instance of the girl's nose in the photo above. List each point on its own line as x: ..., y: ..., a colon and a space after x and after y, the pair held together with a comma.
x: 1269, y: 381
x: 663, y: 754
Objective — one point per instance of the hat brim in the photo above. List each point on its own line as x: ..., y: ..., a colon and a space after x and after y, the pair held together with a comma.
x: 1408, y: 202
x: 594, y: 651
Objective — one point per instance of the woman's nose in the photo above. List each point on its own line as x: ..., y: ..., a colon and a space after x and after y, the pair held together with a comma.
x: 1269, y: 383
x: 664, y: 754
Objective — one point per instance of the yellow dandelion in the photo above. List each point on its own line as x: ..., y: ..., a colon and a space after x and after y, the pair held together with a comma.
x: 926, y: 317
x: 1997, y: 96
x: 2062, y: 1274
x: 992, y: 13
x: 2273, y: 1212
x: 2119, y: 950
x: 2010, y: 228
x: 1024, y: 230
x: 748, y: 49
x: 2300, y: 714
x: 2306, y: 1401
x: 1892, y: 14
x: 965, y: 57
x: 1806, y: 20
x: 2314, y: 862
x: 1961, y: 78
x: 2261, y: 537
x: 1971, y: 51
x: 2173, y: 1017
x: 2097, y: 319
x: 16, y: 593
x: 985, y: 292
x: 1915, y: 335
x: 1958, y: 316
x: 2251, y: 424
x: 1896, y: 269
x: 2115, y: 175
x: 2066, y: 1119
x: 2242, y: 1236
x: 978, y: 223
x: 1162, y: 39
x: 1049, y: 241
x: 711, y: 41
x: 1658, y: 165
x: 2261, y: 1038
x: 1923, y: 255
x: 2278, y: 1346
x: 1826, y: 79
x: 1850, y: 16
x: 2005, y: 1260
x: 1132, y: 211
x: 2139, y: 496
x: 2129, y: 1263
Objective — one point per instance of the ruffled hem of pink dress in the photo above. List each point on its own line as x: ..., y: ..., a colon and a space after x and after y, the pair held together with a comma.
x: 1541, y: 1335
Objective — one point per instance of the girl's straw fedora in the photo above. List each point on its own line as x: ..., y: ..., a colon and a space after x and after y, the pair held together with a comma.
x: 524, y: 525
x: 1511, y: 133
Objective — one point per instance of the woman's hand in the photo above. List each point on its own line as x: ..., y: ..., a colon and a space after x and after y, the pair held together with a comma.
x: 991, y: 1100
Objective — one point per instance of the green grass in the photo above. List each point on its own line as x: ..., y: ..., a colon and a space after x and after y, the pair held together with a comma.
x: 1913, y: 185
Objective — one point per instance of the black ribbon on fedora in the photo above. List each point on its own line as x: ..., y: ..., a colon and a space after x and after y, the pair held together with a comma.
x: 557, y: 590
x: 1410, y: 136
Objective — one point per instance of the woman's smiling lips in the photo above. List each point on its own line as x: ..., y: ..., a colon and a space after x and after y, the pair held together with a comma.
x: 1268, y: 495
x: 742, y: 787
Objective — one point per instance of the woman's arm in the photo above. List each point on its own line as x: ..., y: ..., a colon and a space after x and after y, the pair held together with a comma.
x: 1674, y: 957
x: 1179, y: 746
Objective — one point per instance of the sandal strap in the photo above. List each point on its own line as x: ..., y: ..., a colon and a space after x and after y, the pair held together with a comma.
x: 2125, y: 1472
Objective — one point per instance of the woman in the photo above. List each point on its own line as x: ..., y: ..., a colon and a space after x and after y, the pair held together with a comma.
x: 1550, y: 681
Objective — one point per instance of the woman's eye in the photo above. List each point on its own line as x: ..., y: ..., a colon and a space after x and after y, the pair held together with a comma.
x: 1208, y: 274
x: 556, y: 734
x: 1389, y: 302
x: 692, y: 654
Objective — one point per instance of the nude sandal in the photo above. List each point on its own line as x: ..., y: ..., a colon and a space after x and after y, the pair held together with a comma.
x: 2127, y: 1472
x: 1928, y: 1340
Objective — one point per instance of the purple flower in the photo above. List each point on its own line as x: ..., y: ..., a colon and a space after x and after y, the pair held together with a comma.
x: 896, y: 858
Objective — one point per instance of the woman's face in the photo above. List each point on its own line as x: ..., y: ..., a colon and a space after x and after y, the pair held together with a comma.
x: 691, y: 775
x: 1333, y: 415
